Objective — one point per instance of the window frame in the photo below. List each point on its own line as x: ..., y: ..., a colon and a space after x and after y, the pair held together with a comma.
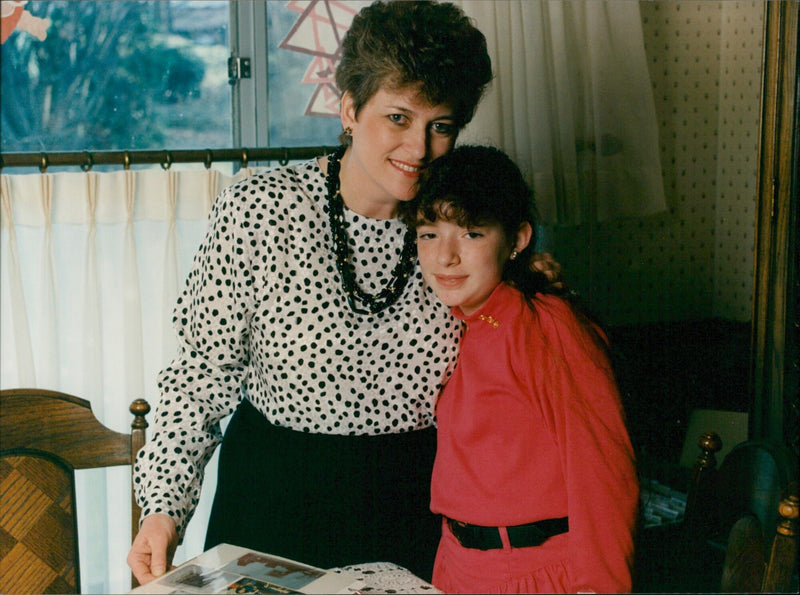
x: 250, y: 96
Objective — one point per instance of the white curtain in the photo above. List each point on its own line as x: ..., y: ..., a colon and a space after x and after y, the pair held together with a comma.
x: 572, y: 103
x: 92, y: 264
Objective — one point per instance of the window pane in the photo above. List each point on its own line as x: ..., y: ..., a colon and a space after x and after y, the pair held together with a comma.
x: 116, y: 75
x: 304, y: 50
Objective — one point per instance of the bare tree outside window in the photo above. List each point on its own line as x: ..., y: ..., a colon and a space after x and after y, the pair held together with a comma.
x: 117, y: 75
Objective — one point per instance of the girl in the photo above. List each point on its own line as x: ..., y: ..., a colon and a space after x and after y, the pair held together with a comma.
x: 534, y: 473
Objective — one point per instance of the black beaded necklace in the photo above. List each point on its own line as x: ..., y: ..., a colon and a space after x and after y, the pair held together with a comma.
x: 402, y: 270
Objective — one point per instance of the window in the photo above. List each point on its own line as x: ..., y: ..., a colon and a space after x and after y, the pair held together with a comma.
x: 290, y: 99
x: 95, y: 75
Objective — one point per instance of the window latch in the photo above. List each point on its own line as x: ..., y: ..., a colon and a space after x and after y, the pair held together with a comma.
x: 238, y: 68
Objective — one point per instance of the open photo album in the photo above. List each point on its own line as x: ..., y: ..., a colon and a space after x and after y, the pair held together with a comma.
x: 232, y: 569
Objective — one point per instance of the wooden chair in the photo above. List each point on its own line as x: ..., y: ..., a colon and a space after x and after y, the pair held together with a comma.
x: 44, y: 437
x: 747, y: 509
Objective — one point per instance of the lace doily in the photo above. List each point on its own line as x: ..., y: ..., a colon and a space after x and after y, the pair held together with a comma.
x: 385, y: 577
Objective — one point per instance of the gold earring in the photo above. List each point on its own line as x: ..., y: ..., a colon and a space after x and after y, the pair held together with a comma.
x: 514, y: 254
x: 348, y: 131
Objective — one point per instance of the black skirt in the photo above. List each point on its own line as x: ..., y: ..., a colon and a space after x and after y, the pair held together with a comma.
x: 325, y: 500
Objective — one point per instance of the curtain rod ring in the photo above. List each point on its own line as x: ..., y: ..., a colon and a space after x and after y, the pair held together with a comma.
x: 87, y: 166
x: 126, y: 160
x: 43, y: 165
x: 244, y: 158
x: 285, y: 159
x: 209, y: 159
x: 167, y: 163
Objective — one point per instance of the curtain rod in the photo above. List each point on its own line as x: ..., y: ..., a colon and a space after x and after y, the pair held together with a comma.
x: 165, y: 157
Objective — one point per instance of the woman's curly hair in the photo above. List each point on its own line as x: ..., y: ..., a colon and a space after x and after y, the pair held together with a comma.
x: 430, y: 44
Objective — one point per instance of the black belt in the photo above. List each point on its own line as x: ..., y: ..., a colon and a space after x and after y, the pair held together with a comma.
x: 488, y: 538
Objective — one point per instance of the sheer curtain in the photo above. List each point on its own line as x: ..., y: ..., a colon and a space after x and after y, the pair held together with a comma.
x: 92, y: 264
x: 572, y: 103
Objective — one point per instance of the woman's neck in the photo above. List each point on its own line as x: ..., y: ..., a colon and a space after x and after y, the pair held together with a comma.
x: 355, y: 190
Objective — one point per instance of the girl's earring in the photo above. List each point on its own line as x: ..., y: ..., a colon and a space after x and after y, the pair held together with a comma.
x: 514, y: 254
x: 348, y: 131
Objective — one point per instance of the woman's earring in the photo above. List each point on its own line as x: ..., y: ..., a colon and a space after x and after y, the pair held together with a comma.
x: 348, y: 131
x: 514, y: 254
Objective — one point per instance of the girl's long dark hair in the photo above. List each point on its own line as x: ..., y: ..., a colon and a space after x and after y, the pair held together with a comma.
x: 479, y: 185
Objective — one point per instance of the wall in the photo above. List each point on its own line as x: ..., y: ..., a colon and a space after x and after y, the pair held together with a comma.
x: 696, y: 261
x: 675, y: 290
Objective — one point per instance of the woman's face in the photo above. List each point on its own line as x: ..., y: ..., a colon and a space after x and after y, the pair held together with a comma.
x: 395, y: 135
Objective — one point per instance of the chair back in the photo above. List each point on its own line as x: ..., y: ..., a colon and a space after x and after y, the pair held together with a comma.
x: 748, y: 509
x: 44, y: 437
x: 752, y: 480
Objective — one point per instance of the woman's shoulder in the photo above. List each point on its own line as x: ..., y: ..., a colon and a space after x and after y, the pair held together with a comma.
x: 273, y: 188
x: 280, y: 180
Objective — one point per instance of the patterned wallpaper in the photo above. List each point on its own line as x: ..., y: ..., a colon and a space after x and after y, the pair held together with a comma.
x: 696, y: 261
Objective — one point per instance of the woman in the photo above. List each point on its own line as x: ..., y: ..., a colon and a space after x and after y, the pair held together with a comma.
x: 305, y: 315
x: 534, y: 473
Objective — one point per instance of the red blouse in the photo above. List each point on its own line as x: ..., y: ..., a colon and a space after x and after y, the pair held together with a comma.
x: 530, y: 427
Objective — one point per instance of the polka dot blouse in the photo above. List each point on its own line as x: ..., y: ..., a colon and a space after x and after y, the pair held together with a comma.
x: 263, y: 316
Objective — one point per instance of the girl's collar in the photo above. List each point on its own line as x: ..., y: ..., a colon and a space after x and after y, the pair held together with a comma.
x: 493, y: 312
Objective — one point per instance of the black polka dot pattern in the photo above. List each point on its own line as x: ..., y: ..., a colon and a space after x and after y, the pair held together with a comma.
x: 263, y: 315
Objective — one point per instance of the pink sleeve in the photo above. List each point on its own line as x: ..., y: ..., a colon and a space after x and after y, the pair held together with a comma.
x: 583, y: 405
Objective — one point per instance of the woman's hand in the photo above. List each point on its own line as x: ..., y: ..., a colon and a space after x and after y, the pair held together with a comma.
x: 152, y: 550
x: 546, y: 264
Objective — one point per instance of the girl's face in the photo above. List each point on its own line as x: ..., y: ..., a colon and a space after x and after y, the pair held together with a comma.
x: 395, y: 136
x: 464, y: 265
